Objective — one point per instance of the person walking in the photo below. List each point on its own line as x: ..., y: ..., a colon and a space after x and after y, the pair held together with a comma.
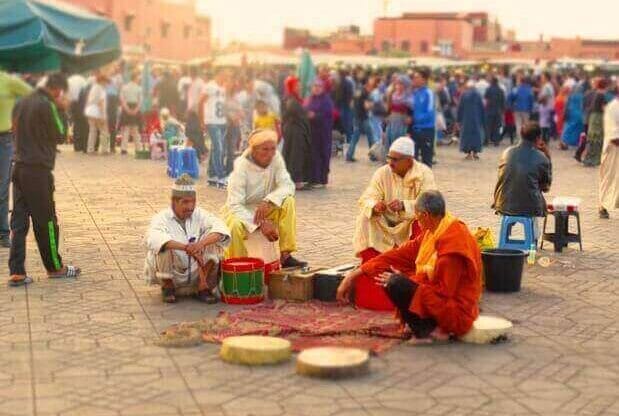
x: 495, y: 107
x: 471, y: 121
x: 362, y: 106
x: 595, y: 126
x: 214, y: 116
x: 399, y: 110
x: 609, y: 167
x: 424, y: 117
x: 130, y: 117
x: 11, y: 89
x: 522, y: 102
x: 38, y: 128
x: 297, y: 149
x: 96, y: 111
x: 320, y: 113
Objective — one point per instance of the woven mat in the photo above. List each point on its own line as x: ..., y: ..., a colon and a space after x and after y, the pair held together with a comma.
x: 307, y: 325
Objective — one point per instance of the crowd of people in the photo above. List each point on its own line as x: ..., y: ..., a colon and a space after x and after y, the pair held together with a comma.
x: 216, y: 109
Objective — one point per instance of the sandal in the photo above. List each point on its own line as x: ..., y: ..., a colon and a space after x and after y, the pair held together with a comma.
x: 207, y: 297
x: 168, y: 294
x: 20, y: 282
x: 70, y: 272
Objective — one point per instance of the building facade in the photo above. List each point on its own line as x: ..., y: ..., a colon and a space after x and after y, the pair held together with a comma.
x: 164, y: 29
x: 444, y: 34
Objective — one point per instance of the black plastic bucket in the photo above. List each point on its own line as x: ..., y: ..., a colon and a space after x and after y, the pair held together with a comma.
x: 503, y: 269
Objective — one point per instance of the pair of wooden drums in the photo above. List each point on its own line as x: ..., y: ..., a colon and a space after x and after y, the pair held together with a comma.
x: 323, y: 362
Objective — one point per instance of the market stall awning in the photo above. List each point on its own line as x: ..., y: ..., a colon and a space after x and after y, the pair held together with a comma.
x: 37, y: 36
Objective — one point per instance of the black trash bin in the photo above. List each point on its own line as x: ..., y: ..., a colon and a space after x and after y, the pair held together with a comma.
x: 503, y: 269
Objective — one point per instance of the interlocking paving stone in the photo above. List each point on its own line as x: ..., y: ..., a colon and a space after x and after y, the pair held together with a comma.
x: 85, y: 346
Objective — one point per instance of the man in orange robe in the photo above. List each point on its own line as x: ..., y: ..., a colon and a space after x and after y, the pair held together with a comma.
x: 434, y: 280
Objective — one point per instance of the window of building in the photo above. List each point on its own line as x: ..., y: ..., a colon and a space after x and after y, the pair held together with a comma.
x: 423, y: 46
x: 186, y: 31
x: 405, y: 46
x: 385, y: 46
x: 165, y: 29
x: 128, y: 22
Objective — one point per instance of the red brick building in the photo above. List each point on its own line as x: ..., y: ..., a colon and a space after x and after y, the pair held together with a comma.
x: 445, y: 34
x: 167, y: 29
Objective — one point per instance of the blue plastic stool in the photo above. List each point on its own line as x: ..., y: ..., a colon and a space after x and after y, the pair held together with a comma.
x: 183, y: 160
x: 507, y: 223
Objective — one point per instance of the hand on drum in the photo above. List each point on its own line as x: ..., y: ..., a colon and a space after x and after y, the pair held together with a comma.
x: 269, y: 231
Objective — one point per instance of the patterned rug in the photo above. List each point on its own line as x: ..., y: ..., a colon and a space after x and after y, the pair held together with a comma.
x: 306, y: 325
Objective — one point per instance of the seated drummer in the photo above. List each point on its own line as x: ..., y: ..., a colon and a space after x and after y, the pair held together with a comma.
x: 386, y: 206
x: 435, y: 280
x: 185, y: 245
x: 261, y: 199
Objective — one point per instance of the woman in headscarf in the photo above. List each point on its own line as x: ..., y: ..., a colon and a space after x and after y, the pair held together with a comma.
x: 399, y: 110
x: 595, y: 126
x: 573, y: 119
x: 320, y: 112
x: 560, y: 108
x: 297, y: 150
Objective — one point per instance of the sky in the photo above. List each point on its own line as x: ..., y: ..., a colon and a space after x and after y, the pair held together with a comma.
x: 263, y: 21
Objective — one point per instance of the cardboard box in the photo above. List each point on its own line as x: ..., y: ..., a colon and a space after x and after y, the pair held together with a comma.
x: 292, y: 284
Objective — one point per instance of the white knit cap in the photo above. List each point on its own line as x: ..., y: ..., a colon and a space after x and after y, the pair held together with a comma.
x: 403, y: 145
x: 184, y: 186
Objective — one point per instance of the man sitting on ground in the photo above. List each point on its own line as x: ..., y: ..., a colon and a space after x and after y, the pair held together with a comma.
x: 434, y: 281
x: 261, y: 197
x: 185, y: 245
x: 386, y: 206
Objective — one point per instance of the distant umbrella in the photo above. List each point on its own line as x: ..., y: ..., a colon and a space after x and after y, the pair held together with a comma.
x: 306, y: 73
x: 147, y: 99
x: 38, y: 37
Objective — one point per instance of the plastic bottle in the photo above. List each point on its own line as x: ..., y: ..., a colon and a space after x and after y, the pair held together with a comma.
x: 532, y: 253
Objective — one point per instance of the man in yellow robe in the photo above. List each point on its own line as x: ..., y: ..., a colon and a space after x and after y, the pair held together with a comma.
x: 261, y: 199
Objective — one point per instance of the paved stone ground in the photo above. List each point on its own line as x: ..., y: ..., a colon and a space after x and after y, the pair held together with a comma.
x: 85, y: 347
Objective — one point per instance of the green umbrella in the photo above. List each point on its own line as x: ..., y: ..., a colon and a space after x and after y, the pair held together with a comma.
x: 147, y: 101
x: 306, y: 73
x: 37, y: 37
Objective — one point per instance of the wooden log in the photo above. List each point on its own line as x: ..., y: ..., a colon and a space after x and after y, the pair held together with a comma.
x: 333, y: 362
x: 255, y: 350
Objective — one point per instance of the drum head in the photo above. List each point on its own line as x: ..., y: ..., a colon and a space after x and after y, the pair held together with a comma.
x: 333, y: 362
x: 255, y: 350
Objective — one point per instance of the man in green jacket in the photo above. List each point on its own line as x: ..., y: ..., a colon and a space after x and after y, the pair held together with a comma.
x: 11, y: 89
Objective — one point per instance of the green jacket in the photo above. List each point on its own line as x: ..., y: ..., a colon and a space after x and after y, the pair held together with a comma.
x: 11, y: 89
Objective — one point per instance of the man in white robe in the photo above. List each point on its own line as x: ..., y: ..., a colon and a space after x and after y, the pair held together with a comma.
x: 387, y: 205
x: 185, y: 245
x: 261, y: 199
x: 609, y: 168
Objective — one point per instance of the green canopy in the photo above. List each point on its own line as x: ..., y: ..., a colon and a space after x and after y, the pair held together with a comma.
x: 306, y: 73
x: 37, y: 37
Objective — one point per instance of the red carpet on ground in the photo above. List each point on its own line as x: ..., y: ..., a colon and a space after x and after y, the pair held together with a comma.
x: 309, y: 324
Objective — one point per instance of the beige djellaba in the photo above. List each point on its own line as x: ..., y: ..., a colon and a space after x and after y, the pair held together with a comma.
x: 390, y: 229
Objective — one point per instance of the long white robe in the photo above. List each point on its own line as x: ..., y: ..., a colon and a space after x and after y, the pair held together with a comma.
x: 165, y: 227
x: 384, y: 232
x: 609, y: 168
x: 250, y: 184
